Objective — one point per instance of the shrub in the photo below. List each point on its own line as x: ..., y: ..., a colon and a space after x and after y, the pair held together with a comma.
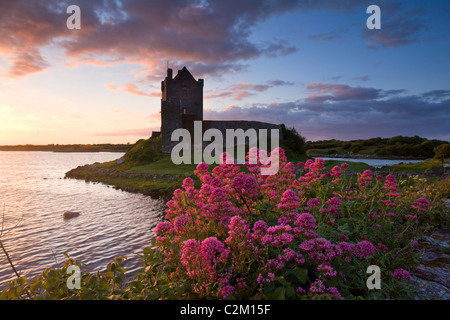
x: 442, y: 150
x: 242, y: 235
x: 145, y: 151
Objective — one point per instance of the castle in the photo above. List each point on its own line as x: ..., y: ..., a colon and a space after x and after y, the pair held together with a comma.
x: 182, y: 104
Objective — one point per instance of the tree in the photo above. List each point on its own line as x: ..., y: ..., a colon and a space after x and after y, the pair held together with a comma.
x: 442, y: 150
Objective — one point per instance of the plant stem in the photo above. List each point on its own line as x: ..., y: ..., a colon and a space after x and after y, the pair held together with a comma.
x: 12, y: 265
x: 9, y: 259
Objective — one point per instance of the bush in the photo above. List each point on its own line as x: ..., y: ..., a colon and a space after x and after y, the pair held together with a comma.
x: 442, y: 150
x: 292, y: 141
x: 243, y: 235
x: 145, y: 151
x: 246, y: 236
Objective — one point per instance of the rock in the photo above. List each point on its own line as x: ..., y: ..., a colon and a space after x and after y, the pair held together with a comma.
x: 120, y: 161
x: 70, y: 214
x: 432, y: 276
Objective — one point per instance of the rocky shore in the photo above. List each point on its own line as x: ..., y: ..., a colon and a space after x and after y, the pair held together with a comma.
x: 363, y: 156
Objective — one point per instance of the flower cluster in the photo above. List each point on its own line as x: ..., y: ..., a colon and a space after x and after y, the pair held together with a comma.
x: 421, y: 204
x: 401, y: 274
x: 242, y: 234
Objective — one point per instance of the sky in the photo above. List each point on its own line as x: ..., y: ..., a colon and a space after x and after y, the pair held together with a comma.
x: 310, y: 64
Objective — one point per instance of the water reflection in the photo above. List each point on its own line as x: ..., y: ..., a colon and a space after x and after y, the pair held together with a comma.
x: 377, y: 163
x: 33, y: 190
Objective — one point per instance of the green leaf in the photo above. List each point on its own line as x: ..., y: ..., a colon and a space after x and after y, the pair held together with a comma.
x: 290, y: 292
x: 301, y: 274
x: 279, y: 293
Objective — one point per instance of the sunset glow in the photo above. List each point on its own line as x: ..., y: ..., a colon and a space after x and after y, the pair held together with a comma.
x: 309, y: 64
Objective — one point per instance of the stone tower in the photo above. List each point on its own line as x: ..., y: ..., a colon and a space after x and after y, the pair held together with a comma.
x: 181, y: 104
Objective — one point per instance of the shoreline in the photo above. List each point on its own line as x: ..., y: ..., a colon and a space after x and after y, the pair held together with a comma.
x: 153, y: 185
x: 365, y: 156
x: 163, y: 185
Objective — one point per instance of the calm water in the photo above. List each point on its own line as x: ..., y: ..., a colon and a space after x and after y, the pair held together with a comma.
x: 34, y: 193
x: 377, y: 163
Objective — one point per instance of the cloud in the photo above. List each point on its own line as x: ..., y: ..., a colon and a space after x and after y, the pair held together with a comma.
x: 145, y: 132
x: 436, y: 95
x: 132, y: 88
x: 243, y: 90
x: 280, y: 83
x: 361, y: 78
x: 148, y: 33
x: 356, y: 113
x: 398, y: 27
x: 321, y: 92
x: 327, y: 36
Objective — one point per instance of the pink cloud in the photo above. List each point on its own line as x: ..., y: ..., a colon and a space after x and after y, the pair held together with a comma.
x: 237, y: 91
x: 320, y: 92
x: 145, y: 132
x: 132, y: 88
x: 135, y: 31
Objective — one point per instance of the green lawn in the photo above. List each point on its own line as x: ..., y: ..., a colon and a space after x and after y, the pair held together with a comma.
x: 163, y: 166
x: 427, y: 166
x: 352, y: 166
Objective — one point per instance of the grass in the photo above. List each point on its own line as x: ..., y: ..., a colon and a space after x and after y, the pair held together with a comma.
x: 163, y: 166
x: 352, y: 166
x: 144, y: 164
x: 427, y: 166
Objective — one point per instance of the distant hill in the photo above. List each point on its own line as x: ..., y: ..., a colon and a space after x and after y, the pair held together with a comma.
x: 107, y: 147
x: 399, y: 146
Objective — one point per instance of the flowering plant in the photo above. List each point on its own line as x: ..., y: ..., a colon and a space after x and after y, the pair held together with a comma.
x: 311, y: 235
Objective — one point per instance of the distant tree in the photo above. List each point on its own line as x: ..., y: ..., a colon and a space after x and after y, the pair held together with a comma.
x: 356, y: 147
x: 347, y: 145
x: 442, y: 150
x: 293, y: 140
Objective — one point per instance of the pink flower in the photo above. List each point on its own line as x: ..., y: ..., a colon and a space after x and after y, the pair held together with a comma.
x: 388, y: 203
x: 334, y: 201
x: 202, y: 166
x: 289, y: 200
x: 390, y: 214
x: 313, y: 202
x: 319, y: 249
x: 300, y: 290
x: 421, y: 204
x: 344, y: 165
x: 381, y: 246
x: 336, y: 171
x: 411, y: 217
x: 163, y: 228
x: 188, y: 183
x: 364, y: 249
x: 335, y: 292
x: 259, y: 229
x: 210, y: 247
x: 317, y: 286
x: 401, y: 274
x: 306, y: 221
x: 227, y: 291
x: 366, y: 178
x: 326, y: 270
